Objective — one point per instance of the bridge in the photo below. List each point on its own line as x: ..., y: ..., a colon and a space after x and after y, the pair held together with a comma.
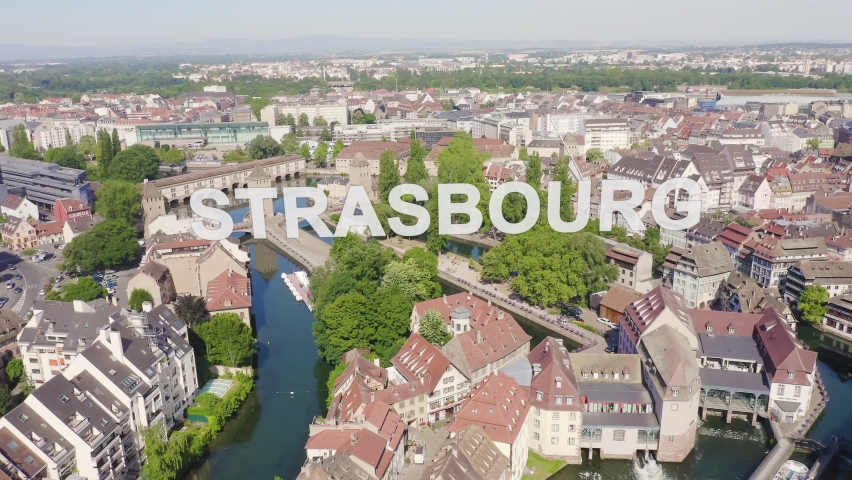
x: 179, y: 188
x: 731, y: 391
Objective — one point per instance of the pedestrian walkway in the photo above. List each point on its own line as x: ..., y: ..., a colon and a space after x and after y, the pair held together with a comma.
x: 307, y: 250
x: 18, y: 306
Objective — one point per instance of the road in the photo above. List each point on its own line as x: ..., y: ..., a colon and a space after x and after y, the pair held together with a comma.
x: 35, y: 276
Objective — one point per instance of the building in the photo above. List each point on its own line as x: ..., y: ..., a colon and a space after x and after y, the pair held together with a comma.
x: 470, y: 454
x: 769, y: 258
x: 52, y: 134
x: 18, y: 234
x: 65, y: 209
x: 607, y: 133
x: 658, y: 307
x: 45, y: 183
x: 755, y: 193
x: 155, y: 279
x: 836, y: 277
x: 233, y: 133
x: 501, y: 408
x: 699, y: 274
x: 194, y: 262
x: 102, y: 376
x: 487, y: 348
x: 741, y: 294
x: 50, y: 232
x: 614, y: 302
x: 15, y: 206
x: 179, y: 188
x: 635, y: 267
x: 391, y: 130
x: 329, y: 111
x: 476, y: 312
x: 838, y: 318
x: 371, y: 151
x: 230, y: 292
x: 77, y: 226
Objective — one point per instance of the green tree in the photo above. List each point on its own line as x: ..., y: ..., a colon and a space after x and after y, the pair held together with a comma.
x: 332, y: 379
x: 533, y: 173
x: 290, y: 143
x: 15, y: 370
x: 104, y: 152
x: 257, y: 104
x: 305, y: 151
x: 228, y: 340
x: 303, y: 120
x: 6, y: 399
x: 137, y: 296
x: 22, y: 147
x: 388, y: 174
x: 263, y: 147
x: 84, y: 289
x: 593, y: 154
x: 461, y: 163
x: 319, y: 121
x: 192, y: 310
x: 116, y: 143
x: 2, y: 149
x: 208, y: 401
x: 562, y: 173
x: 134, y: 164
x: 321, y: 154
x: 237, y: 155
x: 435, y: 242
x: 110, y: 243
x: 812, y: 303
x: 119, y: 200
x: 416, y: 171
x: 169, y: 155
x: 338, y: 146
x: 812, y: 143
x: 289, y: 119
x: 433, y: 328
x: 165, y: 454
x: 325, y: 135
x: 358, y: 117
x: 66, y: 157
x: 416, y: 283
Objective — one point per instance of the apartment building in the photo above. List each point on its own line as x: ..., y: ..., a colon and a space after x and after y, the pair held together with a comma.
x: 768, y: 259
x: 333, y: 111
x: 838, y: 318
x: 371, y: 151
x: 471, y: 455
x: 54, y: 134
x: 635, y: 267
x: 487, y: 348
x: 475, y: 312
x: 15, y: 206
x: 740, y: 294
x: 658, y: 307
x: 836, y: 277
x: 18, y: 234
x: 607, y: 133
x: 389, y: 129
x: 105, y: 381
x: 700, y: 273
x: 755, y: 193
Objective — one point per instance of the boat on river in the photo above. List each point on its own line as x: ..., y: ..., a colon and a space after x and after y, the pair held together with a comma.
x: 298, y: 283
x: 792, y: 470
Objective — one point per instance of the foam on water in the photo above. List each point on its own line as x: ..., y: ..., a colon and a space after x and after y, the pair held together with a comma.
x: 651, y: 470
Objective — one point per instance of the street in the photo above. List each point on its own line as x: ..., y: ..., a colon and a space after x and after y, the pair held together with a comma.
x: 35, y: 276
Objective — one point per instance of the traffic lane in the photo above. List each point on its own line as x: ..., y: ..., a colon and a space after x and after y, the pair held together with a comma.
x: 34, y: 277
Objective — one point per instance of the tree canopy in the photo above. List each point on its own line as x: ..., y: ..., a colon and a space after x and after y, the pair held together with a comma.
x: 388, y: 174
x: 192, y: 310
x: 22, y: 147
x: 110, y: 243
x: 84, y: 289
x: 263, y: 147
x: 136, y: 163
x: 119, y: 200
x: 290, y: 143
x: 15, y: 370
x: 321, y: 154
x: 433, y: 328
x: 137, y: 297
x: 416, y: 170
x: 812, y: 303
x: 228, y: 340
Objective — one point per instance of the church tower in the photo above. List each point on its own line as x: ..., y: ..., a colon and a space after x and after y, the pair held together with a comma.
x: 258, y: 178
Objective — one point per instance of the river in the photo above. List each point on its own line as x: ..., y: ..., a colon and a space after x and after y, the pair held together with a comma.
x: 268, y: 435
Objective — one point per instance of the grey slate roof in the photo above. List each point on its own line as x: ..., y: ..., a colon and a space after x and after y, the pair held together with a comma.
x: 733, y: 380
x: 733, y: 347
x: 629, y: 420
x: 614, y: 391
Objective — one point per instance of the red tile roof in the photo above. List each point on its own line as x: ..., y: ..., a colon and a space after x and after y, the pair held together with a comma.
x: 481, y: 311
x: 497, y: 404
x: 227, y: 291
x: 420, y: 359
x: 786, y: 361
x: 489, y: 343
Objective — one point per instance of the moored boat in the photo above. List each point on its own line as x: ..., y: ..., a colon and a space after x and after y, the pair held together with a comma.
x: 792, y: 470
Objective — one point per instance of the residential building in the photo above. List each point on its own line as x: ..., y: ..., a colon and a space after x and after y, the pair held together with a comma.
x: 77, y: 226
x: 616, y: 299
x: 716, y: 181
x: 635, y: 267
x: 607, y: 133
x: 734, y: 236
x: 10, y: 326
x: 476, y: 312
x: 470, y: 454
x: 18, y: 234
x: 230, y: 292
x: 156, y: 279
x: 700, y: 273
x: 65, y: 209
x: 658, y: 307
x: 487, y: 348
x: 45, y: 183
x: 15, y: 206
x: 755, y: 193
x: 501, y: 408
x: 836, y: 277
x: 769, y: 258
x: 390, y: 129
x: 838, y: 318
x: 332, y: 111
x: 741, y: 294
x: 50, y: 232
x: 371, y: 151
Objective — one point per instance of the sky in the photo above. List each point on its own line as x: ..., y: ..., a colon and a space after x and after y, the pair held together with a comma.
x: 108, y: 22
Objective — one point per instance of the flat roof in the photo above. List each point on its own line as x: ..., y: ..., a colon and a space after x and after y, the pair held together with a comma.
x: 225, y: 170
x: 629, y: 420
x: 615, y: 392
x: 734, y: 347
x: 733, y: 380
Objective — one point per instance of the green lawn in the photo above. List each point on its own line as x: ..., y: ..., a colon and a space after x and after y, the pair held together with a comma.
x: 543, y: 467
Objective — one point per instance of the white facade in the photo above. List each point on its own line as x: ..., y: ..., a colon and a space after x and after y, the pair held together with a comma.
x: 51, y: 134
x: 561, y: 123
x: 607, y: 134
x: 26, y: 209
x: 331, y: 112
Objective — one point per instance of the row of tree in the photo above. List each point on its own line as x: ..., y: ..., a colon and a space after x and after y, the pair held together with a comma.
x: 302, y: 121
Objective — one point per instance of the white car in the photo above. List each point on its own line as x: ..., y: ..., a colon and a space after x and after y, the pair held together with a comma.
x: 606, y: 322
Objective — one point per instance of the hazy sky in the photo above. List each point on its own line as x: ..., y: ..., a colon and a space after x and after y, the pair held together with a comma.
x: 108, y: 22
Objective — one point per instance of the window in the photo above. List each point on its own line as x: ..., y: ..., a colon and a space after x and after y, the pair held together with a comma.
x: 538, y: 396
x: 554, y: 427
x: 570, y: 440
x: 797, y: 391
x: 411, y: 414
x: 674, y: 407
x: 572, y: 416
x: 448, y: 380
x: 410, y: 401
x: 33, y: 360
x: 618, y: 435
x: 626, y: 375
x: 585, y: 374
x: 554, y: 440
x: 606, y: 375
x: 671, y: 438
x: 780, y: 389
x: 535, y: 435
x: 559, y: 399
x: 570, y: 400
x: 571, y: 428
x: 536, y: 423
x: 537, y: 411
x: 675, y: 392
x: 555, y: 416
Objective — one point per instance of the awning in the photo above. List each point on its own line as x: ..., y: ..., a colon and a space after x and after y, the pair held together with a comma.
x: 788, y: 407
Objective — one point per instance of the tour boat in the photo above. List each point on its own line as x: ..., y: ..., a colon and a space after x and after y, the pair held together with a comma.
x: 792, y: 470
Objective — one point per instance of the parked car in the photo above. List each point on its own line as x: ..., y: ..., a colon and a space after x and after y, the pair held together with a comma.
x: 606, y: 322
x: 572, y: 311
x: 9, y: 284
x: 42, y: 291
x: 12, y: 267
x: 61, y: 247
x: 18, y: 290
x: 18, y: 276
x: 612, y: 349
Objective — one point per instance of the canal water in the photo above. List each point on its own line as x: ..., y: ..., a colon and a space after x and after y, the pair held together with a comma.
x: 268, y: 435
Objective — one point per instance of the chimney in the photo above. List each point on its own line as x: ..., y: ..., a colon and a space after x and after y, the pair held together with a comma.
x: 377, y: 362
x: 352, y: 439
x: 115, y: 344
x: 147, y: 306
x: 372, y: 397
x: 445, y: 300
x: 478, y: 336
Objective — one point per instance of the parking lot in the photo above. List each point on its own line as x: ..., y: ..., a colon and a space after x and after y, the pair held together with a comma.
x: 21, y: 279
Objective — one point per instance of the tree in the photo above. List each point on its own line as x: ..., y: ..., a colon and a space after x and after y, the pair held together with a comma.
x: 812, y: 303
x: 119, y: 200
x: 6, y: 399
x: 169, y: 155
x: 593, y: 154
x: 257, y: 104
x: 66, y: 157
x: 325, y: 135
x: 290, y: 143
x: 192, y: 310
x: 534, y: 171
x: 319, y: 121
x: 165, y: 454
x: 305, y: 151
x: 332, y: 379
x: 338, y: 146
x: 136, y: 163
x: 289, y: 119
x: 15, y: 370
x: 321, y: 154
x: 358, y: 117
x: 104, y: 152
x: 137, y: 296
x: 812, y: 143
x: 433, y: 328
x: 22, y: 147
x: 116, y: 143
x: 110, y: 243
x: 237, y: 155
x: 416, y: 171
x: 228, y: 340
x: 84, y: 289
x: 562, y: 173
x: 388, y: 174
x: 303, y: 120
x: 263, y: 147
x: 414, y: 282
x: 461, y: 163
